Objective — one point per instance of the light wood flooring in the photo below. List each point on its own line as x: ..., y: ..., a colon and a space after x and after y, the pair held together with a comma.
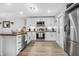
x: 42, y: 48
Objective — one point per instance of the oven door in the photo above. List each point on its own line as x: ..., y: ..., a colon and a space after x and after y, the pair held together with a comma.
x: 40, y: 35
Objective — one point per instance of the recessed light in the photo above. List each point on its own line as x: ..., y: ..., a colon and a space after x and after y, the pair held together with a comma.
x: 49, y: 11
x: 32, y: 8
x: 8, y: 4
x: 21, y: 12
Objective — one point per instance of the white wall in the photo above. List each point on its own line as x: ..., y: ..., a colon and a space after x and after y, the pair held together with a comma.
x: 18, y: 23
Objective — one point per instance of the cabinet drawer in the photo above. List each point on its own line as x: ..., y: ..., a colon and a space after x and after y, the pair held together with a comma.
x: 18, y: 50
x: 19, y: 47
x: 19, y: 40
x: 19, y: 43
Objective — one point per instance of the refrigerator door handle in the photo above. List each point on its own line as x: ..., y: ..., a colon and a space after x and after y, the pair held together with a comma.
x: 65, y: 28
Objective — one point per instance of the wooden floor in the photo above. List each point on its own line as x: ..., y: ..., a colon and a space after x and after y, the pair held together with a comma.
x: 42, y: 48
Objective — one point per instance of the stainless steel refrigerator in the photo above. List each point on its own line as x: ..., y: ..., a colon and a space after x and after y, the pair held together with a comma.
x: 71, y: 29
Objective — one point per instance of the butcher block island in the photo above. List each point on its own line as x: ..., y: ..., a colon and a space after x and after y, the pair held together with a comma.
x: 12, y: 43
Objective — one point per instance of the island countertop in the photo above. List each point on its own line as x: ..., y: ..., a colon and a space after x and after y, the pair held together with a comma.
x: 12, y: 34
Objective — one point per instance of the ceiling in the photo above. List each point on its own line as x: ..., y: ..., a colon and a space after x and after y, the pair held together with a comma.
x: 31, y: 9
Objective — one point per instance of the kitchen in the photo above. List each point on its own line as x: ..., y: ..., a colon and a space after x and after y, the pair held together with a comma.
x: 38, y: 27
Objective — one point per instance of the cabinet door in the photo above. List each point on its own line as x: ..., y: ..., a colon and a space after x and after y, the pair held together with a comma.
x: 26, y: 37
x: 29, y: 38
x: 47, y: 36
x: 19, y: 39
x: 31, y: 22
x: 18, y: 43
x: 50, y: 36
x: 33, y: 35
x: 54, y: 36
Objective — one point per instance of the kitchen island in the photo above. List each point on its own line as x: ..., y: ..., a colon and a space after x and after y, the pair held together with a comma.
x: 12, y: 43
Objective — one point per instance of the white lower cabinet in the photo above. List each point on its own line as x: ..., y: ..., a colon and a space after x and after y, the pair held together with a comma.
x: 29, y: 37
x: 11, y: 45
x: 33, y: 35
x: 51, y: 36
x: 19, y: 44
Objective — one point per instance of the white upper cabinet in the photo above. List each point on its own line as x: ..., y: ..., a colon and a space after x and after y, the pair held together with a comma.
x: 49, y: 22
x: 31, y: 22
